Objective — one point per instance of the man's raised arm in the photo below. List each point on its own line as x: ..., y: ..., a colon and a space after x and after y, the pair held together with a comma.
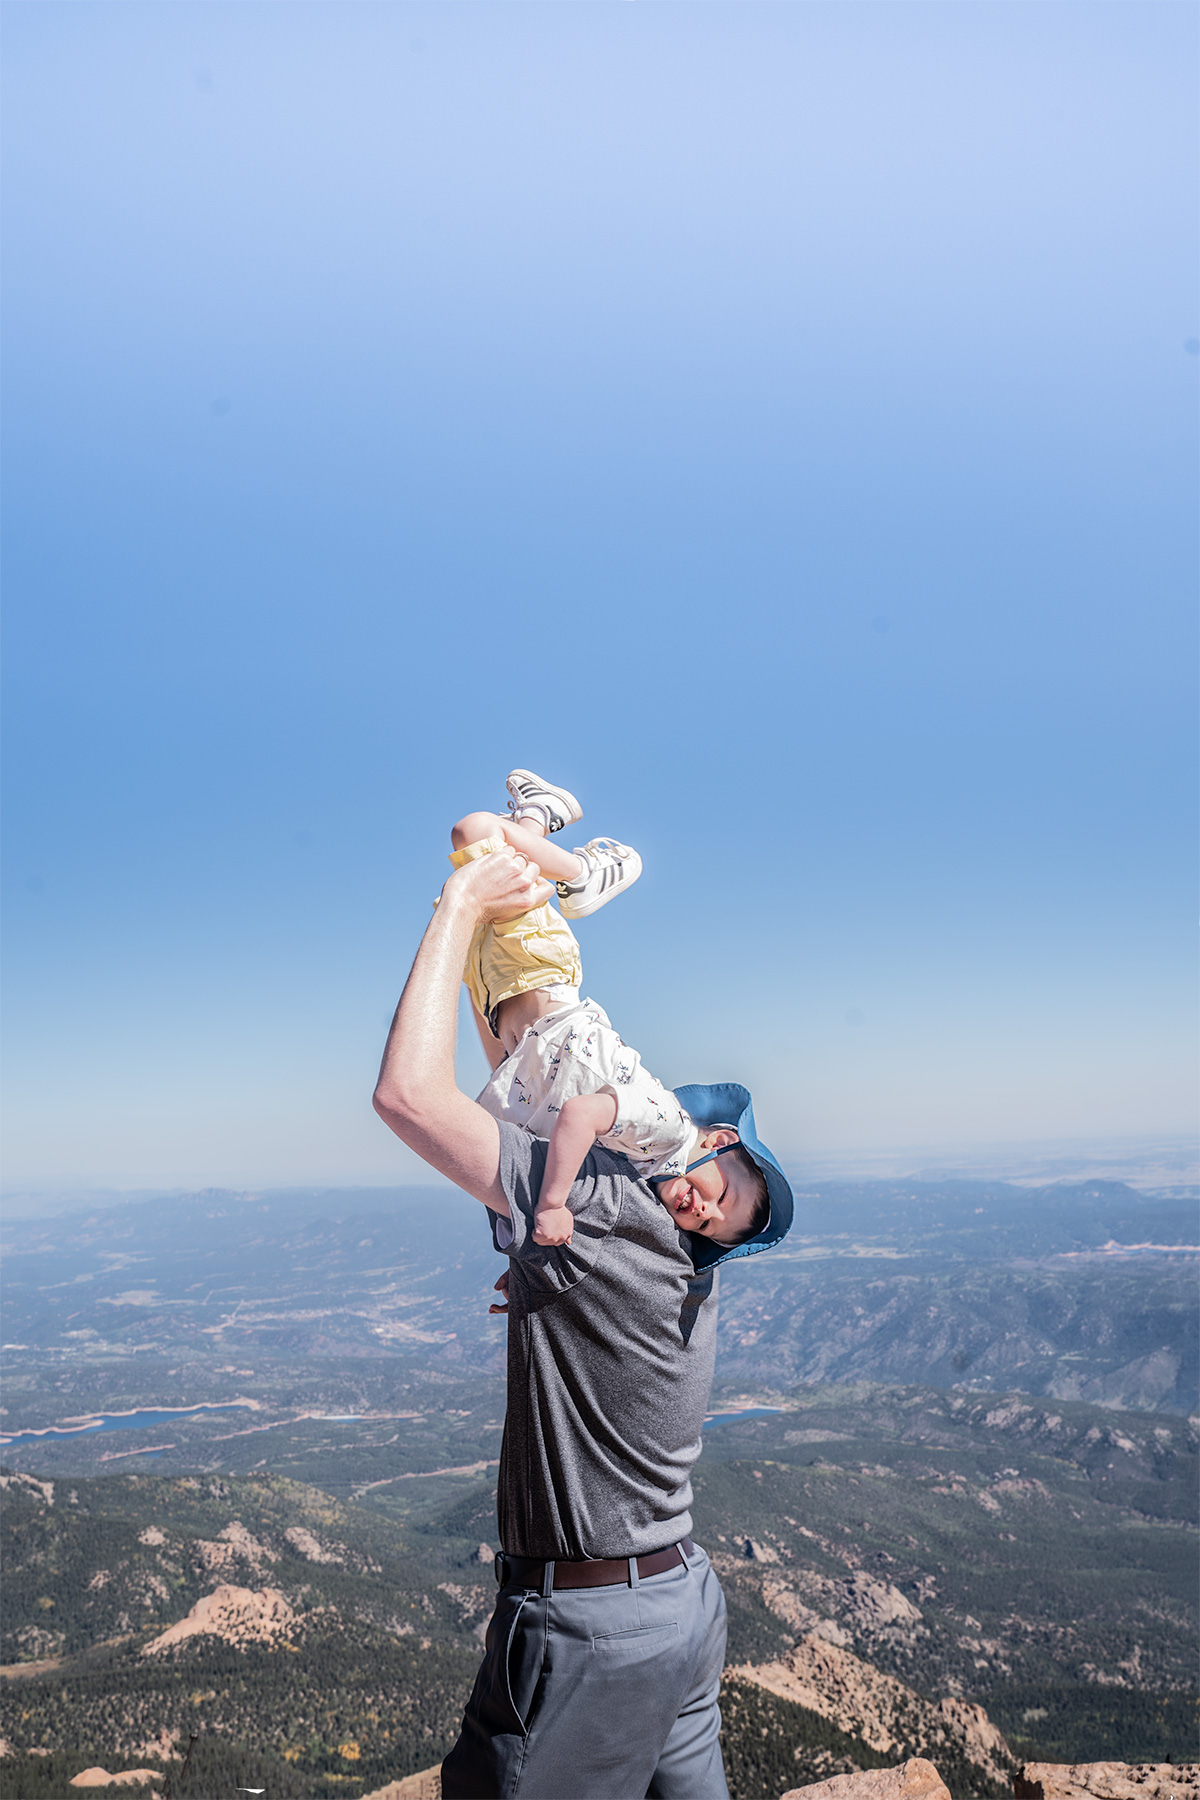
x: 417, y: 1094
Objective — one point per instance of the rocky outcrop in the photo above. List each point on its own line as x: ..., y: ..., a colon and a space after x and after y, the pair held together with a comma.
x: 27, y: 1485
x: 126, y: 1778
x: 856, y: 1607
x: 883, y: 1712
x: 234, y: 1544
x: 914, y: 1780
x: 238, y: 1615
x: 959, y: 1722
x: 1107, y: 1781
x: 761, y: 1553
x: 873, y: 1605
x: 426, y: 1784
x: 306, y: 1544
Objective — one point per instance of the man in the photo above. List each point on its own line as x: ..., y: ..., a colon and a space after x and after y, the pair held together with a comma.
x: 604, y: 1655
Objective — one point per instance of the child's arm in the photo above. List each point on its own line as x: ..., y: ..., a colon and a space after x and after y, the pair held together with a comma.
x: 493, y: 1049
x: 583, y: 1119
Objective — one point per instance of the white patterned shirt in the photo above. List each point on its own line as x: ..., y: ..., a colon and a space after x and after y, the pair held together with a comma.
x: 576, y: 1051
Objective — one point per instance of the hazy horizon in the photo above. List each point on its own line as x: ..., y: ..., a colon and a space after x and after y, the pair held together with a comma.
x: 1146, y: 1165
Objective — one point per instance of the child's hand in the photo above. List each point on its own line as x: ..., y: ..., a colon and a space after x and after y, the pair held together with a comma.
x: 554, y: 1225
x: 501, y: 1287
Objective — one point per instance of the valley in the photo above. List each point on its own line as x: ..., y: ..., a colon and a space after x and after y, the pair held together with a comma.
x: 285, y: 1411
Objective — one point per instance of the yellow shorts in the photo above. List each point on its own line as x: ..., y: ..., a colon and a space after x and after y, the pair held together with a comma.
x: 538, y: 950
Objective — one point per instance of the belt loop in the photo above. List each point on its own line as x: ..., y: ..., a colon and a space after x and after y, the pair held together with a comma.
x: 547, y: 1580
x: 635, y: 1574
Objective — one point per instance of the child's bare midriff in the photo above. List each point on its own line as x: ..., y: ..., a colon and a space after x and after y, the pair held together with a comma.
x: 515, y: 1016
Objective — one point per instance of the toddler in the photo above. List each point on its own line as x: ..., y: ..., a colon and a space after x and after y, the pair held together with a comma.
x: 558, y: 1067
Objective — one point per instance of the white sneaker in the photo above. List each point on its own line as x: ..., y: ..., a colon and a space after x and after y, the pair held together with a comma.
x: 532, y: 798
x: 607, y: 868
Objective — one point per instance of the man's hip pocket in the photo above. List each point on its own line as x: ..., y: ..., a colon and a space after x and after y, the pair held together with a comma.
x: 642, y: 1644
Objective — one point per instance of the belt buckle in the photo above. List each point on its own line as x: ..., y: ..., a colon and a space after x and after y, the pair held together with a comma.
x: 498, y: 1567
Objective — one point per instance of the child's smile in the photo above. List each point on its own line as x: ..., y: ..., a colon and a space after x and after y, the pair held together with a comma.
x: 709, y: 1200
x: 694, y: 1197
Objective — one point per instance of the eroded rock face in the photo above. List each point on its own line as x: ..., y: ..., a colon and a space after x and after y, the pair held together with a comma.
x: 238, y: 1615
x: 982, y: 1742
x: 887, y: 1715
x: 1107, y: 1781
x: 831, y: 1681
x: 915, y: 1779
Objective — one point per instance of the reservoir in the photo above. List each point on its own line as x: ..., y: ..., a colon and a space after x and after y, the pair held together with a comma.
x: 742, y: 1412
x: 154, y: 1416
x: 129, y: 1421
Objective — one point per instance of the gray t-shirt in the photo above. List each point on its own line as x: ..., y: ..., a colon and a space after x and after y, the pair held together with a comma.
x: 611, y: 1343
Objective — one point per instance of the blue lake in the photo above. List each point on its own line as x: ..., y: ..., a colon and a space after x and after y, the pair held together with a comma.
x: 744, y: 1412
x: 142, y: 1421
x: 131, y: 1421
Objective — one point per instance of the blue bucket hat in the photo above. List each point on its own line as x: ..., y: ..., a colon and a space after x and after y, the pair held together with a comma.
x: 728, y: 1103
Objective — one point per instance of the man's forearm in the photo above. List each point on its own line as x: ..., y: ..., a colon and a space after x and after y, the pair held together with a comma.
x: 418, y: 1059
x: 417, y: 1092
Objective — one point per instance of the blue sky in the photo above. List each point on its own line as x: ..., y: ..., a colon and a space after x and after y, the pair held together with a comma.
x: 776, y: 421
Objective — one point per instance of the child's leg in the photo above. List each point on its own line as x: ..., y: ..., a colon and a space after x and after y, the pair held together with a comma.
x: 555, y: 863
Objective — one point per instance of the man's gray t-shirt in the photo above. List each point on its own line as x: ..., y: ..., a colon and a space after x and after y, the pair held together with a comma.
x: 611, y: 1344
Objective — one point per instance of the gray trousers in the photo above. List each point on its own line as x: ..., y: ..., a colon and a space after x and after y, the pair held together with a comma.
x: 603, y: 1693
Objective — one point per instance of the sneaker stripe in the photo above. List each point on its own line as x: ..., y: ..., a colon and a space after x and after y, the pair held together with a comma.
x: 556, y: 806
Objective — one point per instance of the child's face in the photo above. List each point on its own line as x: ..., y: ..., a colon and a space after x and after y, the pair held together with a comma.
x: 711, y: 1200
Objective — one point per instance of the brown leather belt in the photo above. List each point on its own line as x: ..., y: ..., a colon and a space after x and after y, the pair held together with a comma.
x: 529, y: 1571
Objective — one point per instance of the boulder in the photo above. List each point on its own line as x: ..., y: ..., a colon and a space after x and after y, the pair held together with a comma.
x: 915, y: 1779
x: 1107, y: 1781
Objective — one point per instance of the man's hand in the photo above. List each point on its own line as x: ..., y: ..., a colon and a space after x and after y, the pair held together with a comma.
x: 498, y: 887
x: 501, y: 1287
